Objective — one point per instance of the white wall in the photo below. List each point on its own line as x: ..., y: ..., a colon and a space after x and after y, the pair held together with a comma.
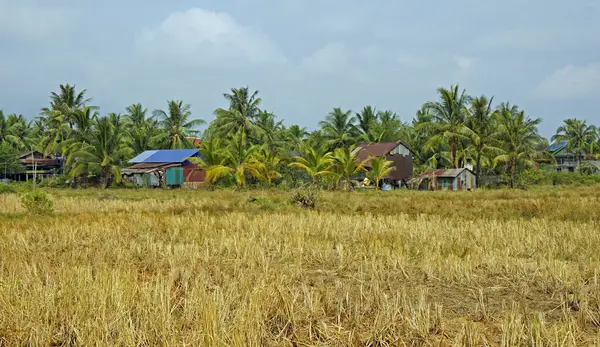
x: 401, y: 149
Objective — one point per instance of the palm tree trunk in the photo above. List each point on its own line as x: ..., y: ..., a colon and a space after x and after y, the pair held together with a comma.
x: 453, y: 153
x: 513, y: 173
x: 478, y: 168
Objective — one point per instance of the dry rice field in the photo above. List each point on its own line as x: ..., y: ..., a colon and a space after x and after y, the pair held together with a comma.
x: 199, y: 268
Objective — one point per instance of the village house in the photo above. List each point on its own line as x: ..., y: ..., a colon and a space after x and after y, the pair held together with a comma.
x: 36, y: 166
x: 446, y: 179
x: 164, y: 168
x: 567, y: 161
x: 396, y: 152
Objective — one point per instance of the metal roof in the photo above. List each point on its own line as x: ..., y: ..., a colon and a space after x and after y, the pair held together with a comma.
x: 444, y: 172
x: 165, y: 156
x: 557, y: 146
x: 146, y: 167
x: 142, y: 156
x: 376, y: 149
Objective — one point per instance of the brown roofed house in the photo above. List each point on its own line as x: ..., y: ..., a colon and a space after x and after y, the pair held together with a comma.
x: 397, y: 152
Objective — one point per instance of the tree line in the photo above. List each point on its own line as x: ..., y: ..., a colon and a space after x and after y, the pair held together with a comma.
x: 247, y: 142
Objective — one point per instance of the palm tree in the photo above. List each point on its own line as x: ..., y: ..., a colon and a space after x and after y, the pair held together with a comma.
x: 66, y: 101
x: 595, y: 148
x: 379, y: 167
x: 103, y: 155
x: 367, y: 123
x: 238, y: 154
x: 448, y: 116
x: 136, y: 115
x: 339, y: 128
x: 57, y: 132
x: 212, y: 160
x: 9, y: 162
x: 176, y: 125
x: 294, y: 137
x: 242, y: 101
x: 389, y: 128
x: 346, y: 165
x: 142, y: 130
x: 269, y: 130
x: 242, y: 113
x: 579, y: 136
x: 519, y: 135
x: 69, y: 97
x: 83, y: 120
x: 14, y: 130
x: 317, y: 162
x: 429, y: 152
x: 483, y: 129
x: 264, y: 165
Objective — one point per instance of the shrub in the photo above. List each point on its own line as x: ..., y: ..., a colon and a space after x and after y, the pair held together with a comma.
x: 36, y: 202
x: 530, y: 177
x: 6, y: 189
x: 55, y: 182
x: 305, y: 199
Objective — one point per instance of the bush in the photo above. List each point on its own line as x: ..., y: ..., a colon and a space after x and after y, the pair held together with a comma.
x: 569, y: 178
x: 36, y: 202
x: 530, y: 177
x: 55, y: 182
x: 305, y: 199
x: 7, y: 189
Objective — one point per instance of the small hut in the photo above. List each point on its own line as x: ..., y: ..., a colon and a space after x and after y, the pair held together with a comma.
x: 446, y: 179
x: 164, y: 168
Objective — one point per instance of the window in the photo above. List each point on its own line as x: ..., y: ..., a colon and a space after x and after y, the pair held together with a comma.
x: 444, y: 183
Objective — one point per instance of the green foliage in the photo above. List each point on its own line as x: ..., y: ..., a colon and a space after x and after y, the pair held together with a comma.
x: 570, y: 178
x: 379, y: 168
x: 176, y: 125
x: 37, y: 202
x: 9, y: 161
x: 246, y: 145
x: 55, y: 182
x: 531, y: 176
x: 7, y: 189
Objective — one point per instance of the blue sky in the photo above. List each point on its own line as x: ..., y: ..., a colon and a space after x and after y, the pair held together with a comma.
x: 304, y: 56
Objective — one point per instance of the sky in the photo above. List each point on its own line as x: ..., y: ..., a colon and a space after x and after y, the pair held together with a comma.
x: 304, y: 56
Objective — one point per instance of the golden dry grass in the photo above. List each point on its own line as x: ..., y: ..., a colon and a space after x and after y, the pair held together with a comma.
x: 197, y: 268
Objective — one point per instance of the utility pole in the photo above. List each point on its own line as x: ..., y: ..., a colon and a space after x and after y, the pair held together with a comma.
x: 34, y: 173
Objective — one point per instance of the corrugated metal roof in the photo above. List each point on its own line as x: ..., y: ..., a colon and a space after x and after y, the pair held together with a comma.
x: 376, y: 149
x: 147, y: 167
x: 558, y: 145
x: 165, y: 156
x: 444, y: 172
x: 142, y: 156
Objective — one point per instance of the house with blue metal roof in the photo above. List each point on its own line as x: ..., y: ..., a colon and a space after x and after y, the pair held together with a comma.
x: 164, y: 167
x: 567, y: 160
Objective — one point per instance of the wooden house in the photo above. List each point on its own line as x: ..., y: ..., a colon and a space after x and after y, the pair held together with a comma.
x: 396, y: 152
x: 164, y: 168
x: 446, y: 179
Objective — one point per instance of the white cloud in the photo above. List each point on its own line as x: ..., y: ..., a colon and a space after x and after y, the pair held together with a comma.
x: 464, y: 63
x: 329, y: 59
x: 571, y: 82
x: 29, y: 22
x: 198, y: 36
